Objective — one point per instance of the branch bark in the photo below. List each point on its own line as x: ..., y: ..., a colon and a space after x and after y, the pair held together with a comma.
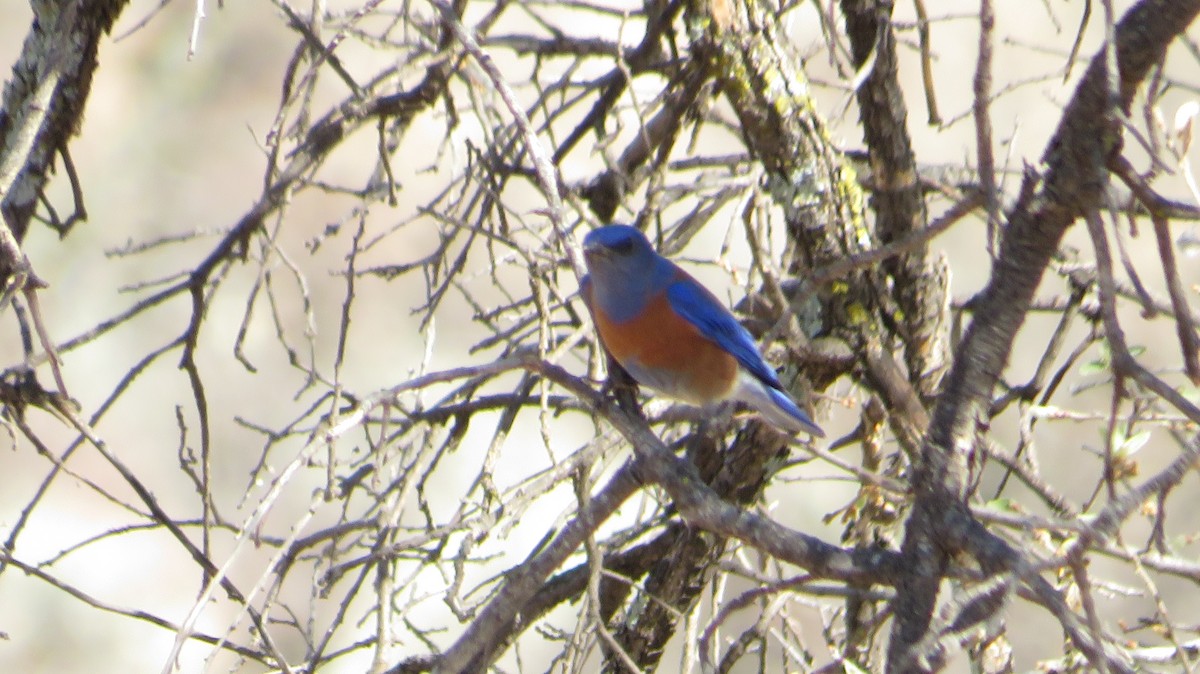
x: 1074, y: 180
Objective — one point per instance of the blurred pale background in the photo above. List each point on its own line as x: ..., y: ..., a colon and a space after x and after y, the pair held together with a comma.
x: 172, y: 146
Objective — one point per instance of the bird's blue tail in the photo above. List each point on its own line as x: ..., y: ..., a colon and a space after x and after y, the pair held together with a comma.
x: 784, y: 412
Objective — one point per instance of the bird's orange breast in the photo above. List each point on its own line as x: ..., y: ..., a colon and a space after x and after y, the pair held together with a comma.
x: 664, y: 351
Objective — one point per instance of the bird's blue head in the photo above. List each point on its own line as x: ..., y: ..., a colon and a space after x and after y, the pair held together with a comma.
x: 617, y: 246
x: 624, y: 268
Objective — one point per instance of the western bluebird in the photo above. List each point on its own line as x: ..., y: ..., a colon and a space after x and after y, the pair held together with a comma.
x: 672, y: 334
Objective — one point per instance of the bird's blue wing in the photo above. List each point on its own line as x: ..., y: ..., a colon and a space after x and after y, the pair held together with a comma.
x: 698, y: 306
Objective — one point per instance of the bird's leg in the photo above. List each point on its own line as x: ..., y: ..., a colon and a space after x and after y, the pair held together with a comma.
x: 704, y: 446
x: 623, y: 387
x: 721, y: 415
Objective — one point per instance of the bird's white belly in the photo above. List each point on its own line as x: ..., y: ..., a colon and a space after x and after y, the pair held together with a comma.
x: 680, y: 386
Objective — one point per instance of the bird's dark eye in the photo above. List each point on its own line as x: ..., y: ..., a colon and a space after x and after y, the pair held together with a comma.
x: 622, y: 247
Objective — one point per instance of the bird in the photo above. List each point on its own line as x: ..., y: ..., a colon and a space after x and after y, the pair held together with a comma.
x: 674, y: 336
